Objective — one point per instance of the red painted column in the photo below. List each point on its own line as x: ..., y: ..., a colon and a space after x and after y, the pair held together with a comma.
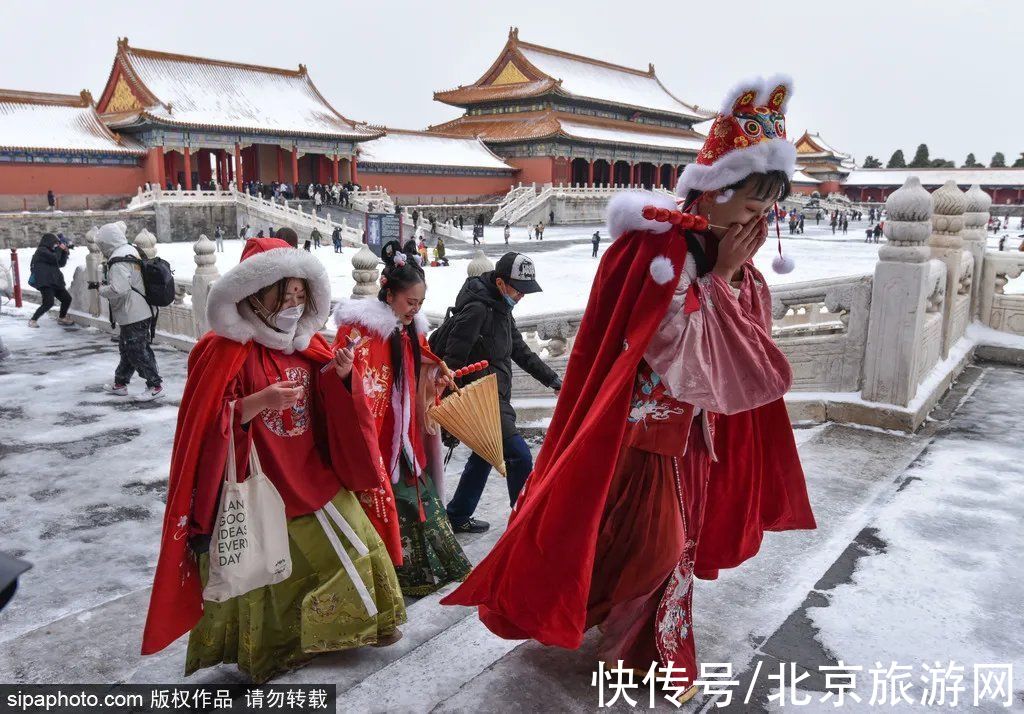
x: 354, y: 177
x: 280, y: 164
x: 188, y: 169
x: 334, y: 169
x: 675, y: 178
x: 238, y: 165
x: 632, y: 173
x: 295, y: 168
x: 590, y: 174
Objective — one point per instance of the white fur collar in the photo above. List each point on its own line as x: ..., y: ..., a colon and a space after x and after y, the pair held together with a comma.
x: 625, y: 212
x: 374, y: 315
x: 229, y: 316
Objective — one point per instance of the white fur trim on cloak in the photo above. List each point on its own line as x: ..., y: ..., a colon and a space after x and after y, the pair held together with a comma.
x: 771, y: 155
x: 662, y: 269
x: 374, y: 315
x: 625, y: 212
x: 232, y: 318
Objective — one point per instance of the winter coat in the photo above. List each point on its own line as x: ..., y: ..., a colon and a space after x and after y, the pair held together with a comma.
x: 484, y: 329
x: 124, y: 289
x: 47, y: 262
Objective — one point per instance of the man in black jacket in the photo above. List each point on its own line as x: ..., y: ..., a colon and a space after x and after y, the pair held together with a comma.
x: 484, y: 329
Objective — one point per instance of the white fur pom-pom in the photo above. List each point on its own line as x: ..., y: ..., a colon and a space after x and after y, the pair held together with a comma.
x: 783, y: 264
x: 662, y: 270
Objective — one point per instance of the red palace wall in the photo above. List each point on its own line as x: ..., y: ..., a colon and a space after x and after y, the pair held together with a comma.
x: 24, y: 185
x: 423, y: 188
x: 540, y: 169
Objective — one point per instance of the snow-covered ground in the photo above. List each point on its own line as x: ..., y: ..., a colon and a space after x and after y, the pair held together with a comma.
x: 565, y: 272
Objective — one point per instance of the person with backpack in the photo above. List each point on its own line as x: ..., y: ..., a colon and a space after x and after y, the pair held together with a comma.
x: 481, y: 327
x: 218, y: 238
x: 596, y: 240
x: 125, y: 290
x: 336, y: 239
x: 315, y: 236
x: 45, y: 276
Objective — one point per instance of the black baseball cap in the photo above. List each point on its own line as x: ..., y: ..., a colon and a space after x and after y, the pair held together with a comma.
x: 518, y: 271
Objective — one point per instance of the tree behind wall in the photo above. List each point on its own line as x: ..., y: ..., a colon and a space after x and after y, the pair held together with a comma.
x: 872, y: 163
x: 998, y: 160
x: 972, y: 163
x: 921, y: 160
x: 896, y: 161
x: 1019, y: 163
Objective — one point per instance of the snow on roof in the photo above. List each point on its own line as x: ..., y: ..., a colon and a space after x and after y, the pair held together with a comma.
x: 423, y: 149
x: 936, y: 177
x: 626, y: 136
x: 824, y: 145
x: 34, y: 120
x: 801, y: 177
x: 202, y: 92
x: 597, y: 80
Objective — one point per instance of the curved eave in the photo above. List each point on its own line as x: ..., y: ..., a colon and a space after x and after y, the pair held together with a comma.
x: 66, y: 150
x: 255, y: 130
x: 630, y: 144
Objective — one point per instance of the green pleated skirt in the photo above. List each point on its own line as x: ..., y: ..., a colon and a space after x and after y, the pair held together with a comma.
x: 318, y: 609
x: 431, y: 556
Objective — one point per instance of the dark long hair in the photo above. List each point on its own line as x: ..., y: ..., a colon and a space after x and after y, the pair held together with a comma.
x: 398, y: 276
x: 770, y: 186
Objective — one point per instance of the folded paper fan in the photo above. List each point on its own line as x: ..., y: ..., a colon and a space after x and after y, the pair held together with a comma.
x: 471, y: 414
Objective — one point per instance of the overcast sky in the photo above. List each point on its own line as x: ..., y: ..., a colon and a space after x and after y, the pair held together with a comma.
x: 871, y: 75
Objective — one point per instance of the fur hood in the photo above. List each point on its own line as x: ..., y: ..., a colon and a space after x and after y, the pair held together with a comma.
x: 264, y: 262
x: 374, y: 315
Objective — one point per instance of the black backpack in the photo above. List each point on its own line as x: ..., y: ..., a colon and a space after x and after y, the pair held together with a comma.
x: 157, y: 278
x: 438, y: 339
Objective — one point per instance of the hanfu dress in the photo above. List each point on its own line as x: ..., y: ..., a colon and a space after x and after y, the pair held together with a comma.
x: 406, y: 505
x: 321, y: 607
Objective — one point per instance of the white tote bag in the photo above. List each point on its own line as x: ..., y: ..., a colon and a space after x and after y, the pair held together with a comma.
x: 249, y: 546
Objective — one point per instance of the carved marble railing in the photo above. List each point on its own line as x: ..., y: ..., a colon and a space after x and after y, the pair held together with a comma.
x: 277, y: 212
x: 998, y: 309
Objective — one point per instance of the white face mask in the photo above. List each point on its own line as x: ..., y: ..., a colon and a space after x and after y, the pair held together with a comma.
x: 287, y: 319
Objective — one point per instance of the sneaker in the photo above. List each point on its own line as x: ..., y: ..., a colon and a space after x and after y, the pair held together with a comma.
x: 118, y: 390
x: 33, y: 323
x: 471, y: 526
x: 66, y: 321
x: 150, y: 394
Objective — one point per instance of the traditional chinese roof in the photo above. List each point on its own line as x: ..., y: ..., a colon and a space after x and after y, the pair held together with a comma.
x: 511, y: 128
x: 799, y: 177
x: 811, y: 149
x: 420, y: 148
x: 57, y: 122
x: 526, y: 70
x: 197, y: 92
x: 937, y: 177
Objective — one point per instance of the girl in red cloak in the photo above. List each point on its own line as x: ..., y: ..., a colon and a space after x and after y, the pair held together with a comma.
x: 265, y: 373
x: 401, y: 379
x: 670, y: 451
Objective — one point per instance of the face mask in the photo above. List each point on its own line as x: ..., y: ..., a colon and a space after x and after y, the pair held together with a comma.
x: 287, y: 319
x: 511, y: 302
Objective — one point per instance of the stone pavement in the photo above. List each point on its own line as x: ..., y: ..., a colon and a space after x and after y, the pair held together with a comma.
x: 81, y: 488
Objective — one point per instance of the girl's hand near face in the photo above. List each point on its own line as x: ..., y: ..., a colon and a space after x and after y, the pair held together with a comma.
x: 738, y: 245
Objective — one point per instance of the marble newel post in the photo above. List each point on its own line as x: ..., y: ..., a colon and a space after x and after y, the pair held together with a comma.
x: 947, y: 245
x: 93, y: 270
x: 365, y: 273
x: 206, y: 273
x: 975, y: 237
x: 899, y: 297
x: 479, y: 265
x: 146, y: 243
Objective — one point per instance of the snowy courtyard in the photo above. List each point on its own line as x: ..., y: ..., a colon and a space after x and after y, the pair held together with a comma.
x: 907, y: 566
